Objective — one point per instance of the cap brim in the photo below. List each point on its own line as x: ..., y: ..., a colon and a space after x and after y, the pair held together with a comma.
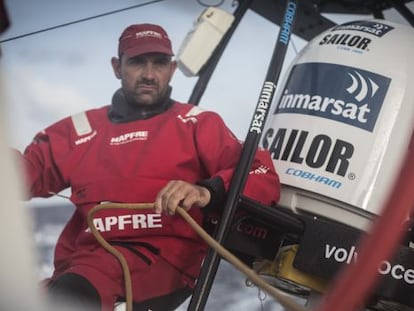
x: 147, y: 48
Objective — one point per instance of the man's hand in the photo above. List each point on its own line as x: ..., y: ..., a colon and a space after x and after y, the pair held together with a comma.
x: 181, y: 193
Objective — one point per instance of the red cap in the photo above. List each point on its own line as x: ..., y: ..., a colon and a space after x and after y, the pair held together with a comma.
x: 144, y: 38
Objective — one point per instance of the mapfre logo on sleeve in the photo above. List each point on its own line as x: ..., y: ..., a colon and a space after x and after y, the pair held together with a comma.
x: 340, y: 93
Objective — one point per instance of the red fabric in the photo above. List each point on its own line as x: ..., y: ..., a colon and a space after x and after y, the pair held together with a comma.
x: 131, y: 162
x: 158, y: 279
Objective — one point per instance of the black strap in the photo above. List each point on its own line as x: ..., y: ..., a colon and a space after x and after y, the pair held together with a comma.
x: 131, y: 247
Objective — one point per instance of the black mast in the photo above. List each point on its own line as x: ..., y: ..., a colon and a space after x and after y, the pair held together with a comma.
x: 239, y: 178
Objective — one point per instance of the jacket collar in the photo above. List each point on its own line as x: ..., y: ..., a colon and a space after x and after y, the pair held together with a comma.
x: 121, y: 111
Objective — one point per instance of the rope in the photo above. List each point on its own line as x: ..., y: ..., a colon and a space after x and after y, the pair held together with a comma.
x: 285, y: 301
x: 118, y: 255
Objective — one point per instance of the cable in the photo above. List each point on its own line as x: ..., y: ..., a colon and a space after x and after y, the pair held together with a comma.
x: 80, y: 21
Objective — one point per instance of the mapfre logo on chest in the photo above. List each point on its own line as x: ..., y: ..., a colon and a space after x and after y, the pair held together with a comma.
x: 128, y: 138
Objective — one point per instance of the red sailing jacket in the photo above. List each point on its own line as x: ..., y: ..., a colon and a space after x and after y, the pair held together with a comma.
x: 130, y: 162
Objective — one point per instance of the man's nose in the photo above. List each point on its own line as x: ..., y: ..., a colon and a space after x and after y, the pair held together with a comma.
x: 148, y: 71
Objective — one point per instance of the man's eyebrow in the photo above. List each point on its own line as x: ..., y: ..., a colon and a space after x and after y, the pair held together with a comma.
x: 162, y: 57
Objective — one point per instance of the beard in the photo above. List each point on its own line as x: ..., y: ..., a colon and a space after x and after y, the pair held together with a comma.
x: 145, y: 94
x: 125, y: 108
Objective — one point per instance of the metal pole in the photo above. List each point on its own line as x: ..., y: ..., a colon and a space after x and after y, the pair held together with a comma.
x: 404, y: 11
x: 239, y: 178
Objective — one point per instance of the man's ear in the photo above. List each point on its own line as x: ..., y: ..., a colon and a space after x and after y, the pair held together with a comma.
x: 116, y: 66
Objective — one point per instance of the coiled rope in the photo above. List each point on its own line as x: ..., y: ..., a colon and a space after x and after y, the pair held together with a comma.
x: 285, y: 301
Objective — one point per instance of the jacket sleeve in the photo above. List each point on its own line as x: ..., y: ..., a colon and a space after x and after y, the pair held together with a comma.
x: 220, y: 151
x: 42, y: 175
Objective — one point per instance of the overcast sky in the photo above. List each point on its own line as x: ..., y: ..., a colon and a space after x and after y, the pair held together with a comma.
x: 63, y: 71
x: 56, y: 73
x: 53, y: 74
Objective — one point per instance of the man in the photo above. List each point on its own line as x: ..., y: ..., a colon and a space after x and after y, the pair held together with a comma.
x: 144, y: 147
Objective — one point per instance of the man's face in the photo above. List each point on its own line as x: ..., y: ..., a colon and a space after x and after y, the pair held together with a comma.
x: 144, y: 78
